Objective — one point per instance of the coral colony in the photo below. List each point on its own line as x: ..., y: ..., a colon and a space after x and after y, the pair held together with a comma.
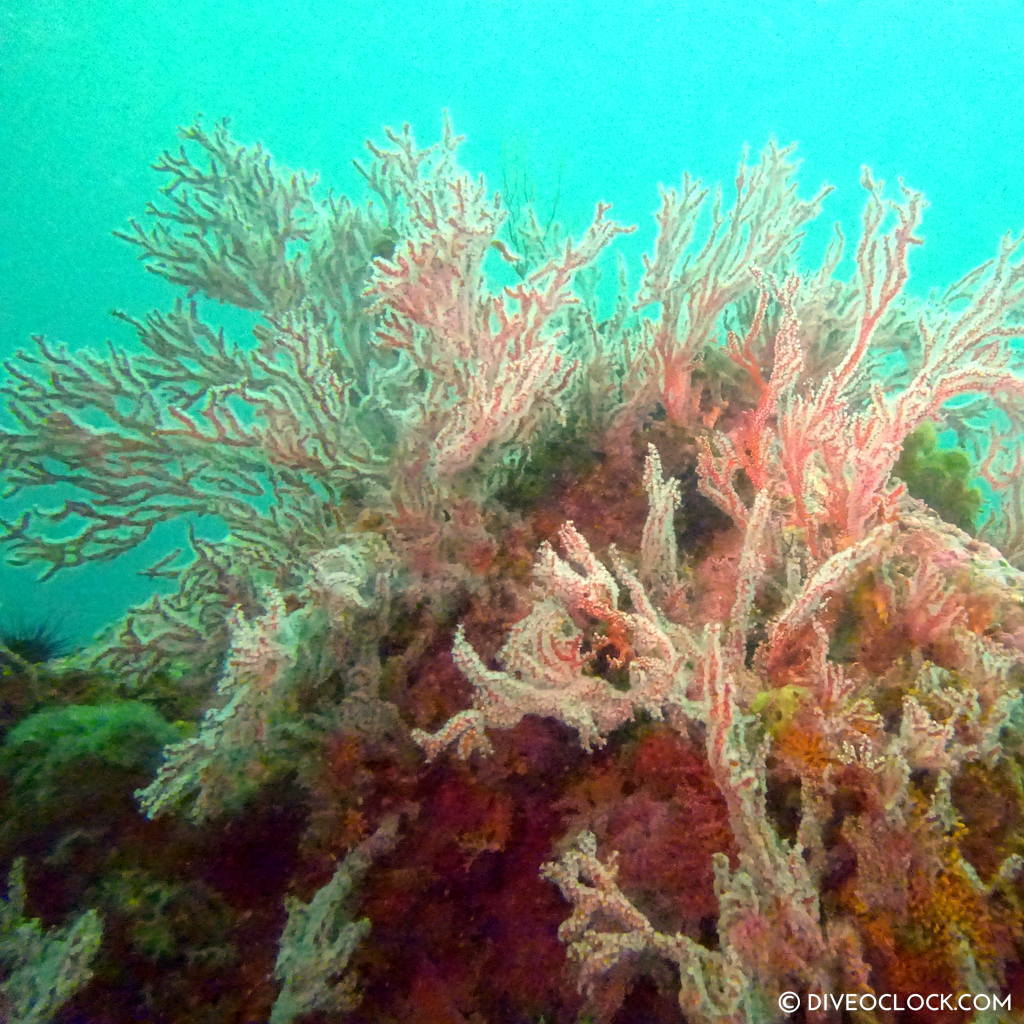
x: 536, y: 650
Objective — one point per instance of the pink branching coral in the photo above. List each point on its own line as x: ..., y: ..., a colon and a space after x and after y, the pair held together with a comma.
x: 835, y: 664
x: 492, y: 362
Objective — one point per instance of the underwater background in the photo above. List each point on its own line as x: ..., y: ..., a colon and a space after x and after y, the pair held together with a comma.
x: 527, y: 613
x: 587, y: 101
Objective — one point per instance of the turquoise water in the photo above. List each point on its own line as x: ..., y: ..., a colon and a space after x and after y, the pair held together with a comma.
x: 589, y: 100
